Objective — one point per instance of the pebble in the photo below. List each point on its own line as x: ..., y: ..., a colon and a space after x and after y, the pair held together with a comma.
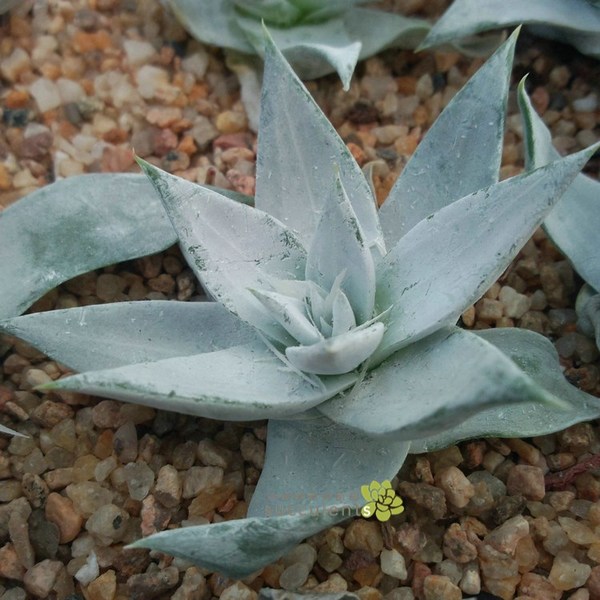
x: 88, y: 496
x: 294, y: 576
x: 140, y: 478
x: 506, y: 537
x: 108, y: 523
x: 138, y: 52
x: 364, y: 535
x: 515, y: 304
x: 193, y: 586
x: 40, y: 578
x: 150, y: 585
x: 527, y: 481
x: 201, y: 479
x: 10, y: 563
x: 438, y: 587
x: 393, y: 564
x: 427, y: 496
x: 578, y: 532
x: 14, y: 64
x: 252, y: 450
x: 458, y: 489
x: 89, y: 571
x: 103, y: 587
x: 46, y: 94
x: 567, y: 573
x: 538, y: 586
x: 125, y: 443
x: 168, y: 487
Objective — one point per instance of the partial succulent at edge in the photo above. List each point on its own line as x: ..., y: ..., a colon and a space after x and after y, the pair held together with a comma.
x: 334, y: 320
x: 574, y: 224
x: 575, y: 22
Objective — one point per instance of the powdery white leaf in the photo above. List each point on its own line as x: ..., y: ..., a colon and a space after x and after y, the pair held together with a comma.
x: 241, y: 547
x: 466, y: 247
x: 291, y: 313
x: 432, y: 386
x: 588, y: 311
x: 231, y: 247
x: 211, y: 22
x: 536, y: 356
x: 312, y: 462
x: 104, y: 336
x: 574, y: 224
x: 337, y: 355
x: 240, y: 383
x: 8, y: 430
x: 298, y: 152
x: 89, y: 221
x: 574, y: 21
x: 313, y: 50
x: 342, y: 319
x: 459, y: 155
x: 393, y: 30
x: 339, y: 247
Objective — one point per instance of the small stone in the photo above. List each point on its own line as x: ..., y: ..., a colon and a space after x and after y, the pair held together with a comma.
x: 88, y: 496
x: 567, y: 573
x: 294, y: 576
x: 203, y: 132
x: 588, y: 103
x: 471, y: 580
x: 105, y: 414
x: 138, y: 52
x: 49, y: 413
x: 140, y: 478
x: 125, y: 443
x: 184, y: 456
x: 364, y: 535
x: 40, y: 579
x: 15, y: 64
x: 427, y: 496
x: 506, y: 537
x: 253, y: 450
x: 150, y: 585
x: 527, y: 481
x: 110, y: 287
x: 489, y: 310
x: 212, y: 455
x: 18, y: 530
x: 35, y: 489
x: 196, y: 63
x: 456, y: 545
x: 60, y: 510
x: 537, y: 586
x: 495, y: 564
x: 578, y: 532
x: 103, y: 587
x: 526, y: 554
x: 458, y: 489
x: 193, y: 586
x: 328, y: 560
x: 438, y: 587
x: 303, y: 553
x: 10, y: 564
x: 168, y: 487
x: 201, y: 479
x: 334, y: 540
x: 45, y: 93
x: 154, y: 516
x: 108, y: 523
x: 334, y: 584
x: 393, y: 564
x: 231, y: 122
x: 593, y: 583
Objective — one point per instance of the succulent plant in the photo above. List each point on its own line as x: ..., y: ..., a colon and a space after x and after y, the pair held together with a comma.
x: 576, y: 22
x: 316, y: 37
x: 332, y: 319
x: 574, y: 224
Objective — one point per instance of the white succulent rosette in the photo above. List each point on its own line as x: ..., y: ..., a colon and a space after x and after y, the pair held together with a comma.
x: 331, y: 318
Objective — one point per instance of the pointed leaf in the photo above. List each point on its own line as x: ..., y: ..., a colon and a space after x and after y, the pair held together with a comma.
x: 298, y: 150
x: 465, y: 251
x: 89, y: 221
x: 238, y: 548
x: 337, y: 355
x: 240, y: 383
x: 537, y: 357
x: 313, y: 462
x: 339, y: 247
x: 575, y: 20
x: 211, y: 22
x: 574, y: 224
x: 433, y: 385
x: 8, y: 430
x: 112, y: 335
x: 393, y: 30
x: 231, y: 247
x: 313, y: 50
x: 470, y: 130
x: 588, y: 311
x: 342, y: 318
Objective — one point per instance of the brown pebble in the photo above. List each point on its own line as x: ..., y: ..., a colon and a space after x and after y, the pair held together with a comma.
x: 10, y: 564
x: 439, y: 587
x: 526, y: 481
x: 40, y: 579
x: 151, y: 585
x: 61, y: 512
x: 103, y: 587
x: 427, y: 496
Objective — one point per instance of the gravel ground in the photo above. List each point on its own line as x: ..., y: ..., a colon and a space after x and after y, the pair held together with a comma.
x: 84, y: 81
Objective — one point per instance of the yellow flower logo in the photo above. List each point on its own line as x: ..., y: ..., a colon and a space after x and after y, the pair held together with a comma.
x: 381, y: 501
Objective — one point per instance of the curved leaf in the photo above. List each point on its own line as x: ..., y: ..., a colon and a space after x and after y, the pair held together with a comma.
x: 337, y: 355
x: 313, y: 462
x: 105, y: 336
x: 211, y: 22
x: 74, y: 226
x: 588, y: 311
x: 536, y: 356
x: 574, y: 223
x: 431, y: 386
x: 460, y: 154
x: 231, y: 247
x: 466, y: 246
x: 239, y: 548
x: 339, y: 247
x: 578, y: 19
x: 313, y: 50
x: 8, y: 430
x: 236, y: 384
x: 298, y: 151
x: 393, y: 31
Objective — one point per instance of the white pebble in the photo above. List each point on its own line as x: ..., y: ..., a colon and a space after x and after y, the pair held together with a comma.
x: 45, y: 93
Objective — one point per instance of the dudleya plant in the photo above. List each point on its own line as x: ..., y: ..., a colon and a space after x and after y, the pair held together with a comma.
x: 575, y: 22
x: 316, y: 37
x: 574, y: 224
x: 332, y: 319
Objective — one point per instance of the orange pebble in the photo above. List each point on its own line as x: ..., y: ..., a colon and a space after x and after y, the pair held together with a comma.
x: 16, y: 99
x: 187, y: 145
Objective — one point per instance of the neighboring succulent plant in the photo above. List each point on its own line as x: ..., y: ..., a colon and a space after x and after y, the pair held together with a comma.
x: 574, y: 224
x: 576, y: 22
x: 336, y: 325
x: 316, y: 37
